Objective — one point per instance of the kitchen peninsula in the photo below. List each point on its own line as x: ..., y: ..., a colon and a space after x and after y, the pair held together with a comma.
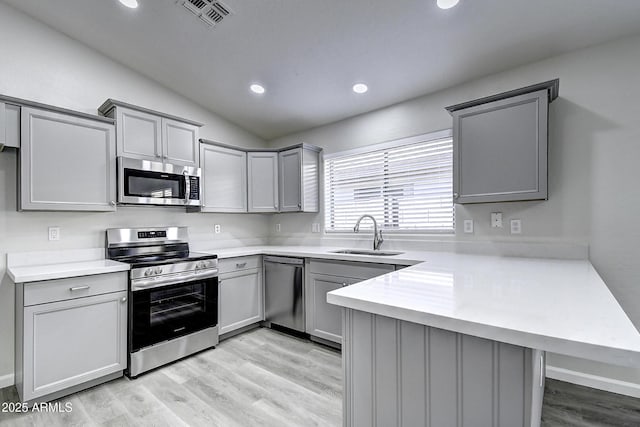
x: 461, y: 339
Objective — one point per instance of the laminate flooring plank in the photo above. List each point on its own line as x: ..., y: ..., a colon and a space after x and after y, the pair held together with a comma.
x: 184, y: 403
x: 101, y: 404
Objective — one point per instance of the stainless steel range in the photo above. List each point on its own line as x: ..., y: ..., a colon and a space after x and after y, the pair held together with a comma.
x: 173, y: 295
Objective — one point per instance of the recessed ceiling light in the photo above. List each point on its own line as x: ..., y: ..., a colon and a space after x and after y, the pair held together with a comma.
x: 130, y: 3
x: 256, y: 88
x: 446, y: 4
x: 360, y: 88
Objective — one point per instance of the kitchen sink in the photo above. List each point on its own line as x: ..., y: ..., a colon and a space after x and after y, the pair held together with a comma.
x: 366, y: 252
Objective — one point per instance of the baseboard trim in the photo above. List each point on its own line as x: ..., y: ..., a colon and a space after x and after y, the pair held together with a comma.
x: 7, y: 380
x: 594, y: 381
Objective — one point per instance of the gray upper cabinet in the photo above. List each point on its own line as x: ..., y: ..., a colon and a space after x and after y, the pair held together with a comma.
x: 500, y: 146
x: 139, y: 134
x: 151, y: 135
x: 262, y: 175
x: 66, y: 162
x: 298, y: 181
x: 224, y: 183
x: 9, y: 125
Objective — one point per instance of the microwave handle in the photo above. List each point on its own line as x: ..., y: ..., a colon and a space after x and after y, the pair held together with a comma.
x: 187, y: 187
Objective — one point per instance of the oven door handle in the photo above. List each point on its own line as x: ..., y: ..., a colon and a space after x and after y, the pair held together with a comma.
x: 150, y: 283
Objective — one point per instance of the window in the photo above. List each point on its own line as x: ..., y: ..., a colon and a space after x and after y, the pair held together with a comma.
x: 406, y: 185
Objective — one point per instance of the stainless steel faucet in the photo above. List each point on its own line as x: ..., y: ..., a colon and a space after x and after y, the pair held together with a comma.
x: 377, y: 234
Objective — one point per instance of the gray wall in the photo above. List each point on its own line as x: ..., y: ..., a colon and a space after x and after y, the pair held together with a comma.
x: 46, y: 66
x: 593, y: 173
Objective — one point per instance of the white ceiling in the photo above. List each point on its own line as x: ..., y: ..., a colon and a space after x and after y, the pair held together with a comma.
x: 309, y: 53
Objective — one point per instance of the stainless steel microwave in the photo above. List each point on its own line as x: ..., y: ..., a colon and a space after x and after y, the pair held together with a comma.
x: 144, y: 182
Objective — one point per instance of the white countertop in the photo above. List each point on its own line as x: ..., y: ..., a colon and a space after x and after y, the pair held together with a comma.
x: 62, y: 270
x: 561, y: 306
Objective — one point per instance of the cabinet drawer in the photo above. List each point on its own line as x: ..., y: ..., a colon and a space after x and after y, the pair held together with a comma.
x: 229, y: 265
x: 76, y: 287
x: 356, y: 270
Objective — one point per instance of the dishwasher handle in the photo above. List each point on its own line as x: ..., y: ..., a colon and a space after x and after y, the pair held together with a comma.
x: 284, y: 260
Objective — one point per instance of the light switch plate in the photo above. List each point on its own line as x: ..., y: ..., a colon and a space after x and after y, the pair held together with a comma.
x: 516, y: 226
x: 54, y: 233
x: 315, y: 227
x: 217, y: 228
x: 468, y: 226
x: 496, y: 219
x: 278, y: 228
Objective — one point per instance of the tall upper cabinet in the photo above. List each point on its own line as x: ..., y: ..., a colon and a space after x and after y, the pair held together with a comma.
x: 299, y: 176
x: 224, y: 178
x: 67, y: 162
x: 262, y: 177
x: 151, y: 135
x: 500, y: 145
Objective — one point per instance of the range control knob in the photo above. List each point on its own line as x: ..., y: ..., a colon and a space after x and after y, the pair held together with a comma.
x: 158, y: 270
x: 199, y: 265
x: 148, y: 272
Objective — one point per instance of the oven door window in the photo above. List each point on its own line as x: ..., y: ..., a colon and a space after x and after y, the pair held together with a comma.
x: 163, y: 313
x: 156, y: 185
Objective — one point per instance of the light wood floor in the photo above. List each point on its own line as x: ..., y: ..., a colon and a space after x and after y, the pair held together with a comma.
x: 265, y: 378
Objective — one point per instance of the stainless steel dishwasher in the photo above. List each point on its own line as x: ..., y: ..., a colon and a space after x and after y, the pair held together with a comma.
x: 284, y: 292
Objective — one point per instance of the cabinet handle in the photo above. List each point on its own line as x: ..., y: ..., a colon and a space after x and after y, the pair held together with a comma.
x: 112, y: 203
x: 79, y: 288
x: 124, y: 299
x: 299, y: 205
x: 456, y: 195
x: 344, y: 284
x: 241, y: 265
x: 541, y: 370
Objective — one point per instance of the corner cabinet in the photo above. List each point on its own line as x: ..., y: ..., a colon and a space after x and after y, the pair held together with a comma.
x: 67, y: 163
x: 324, y: 320
x: 224, y: 179
x: 151, y: 135
x: 500, y: 146
x: 262, y: 176
x: 70, y: 334
x: 299, y: 179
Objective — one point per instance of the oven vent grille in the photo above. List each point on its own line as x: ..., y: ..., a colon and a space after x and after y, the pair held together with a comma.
x: 211, y: 12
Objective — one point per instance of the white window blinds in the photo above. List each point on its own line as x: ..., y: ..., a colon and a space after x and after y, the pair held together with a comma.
x: 406, y: 185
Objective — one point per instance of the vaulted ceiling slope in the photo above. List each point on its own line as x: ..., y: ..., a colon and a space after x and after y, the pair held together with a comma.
x: 308, y: 54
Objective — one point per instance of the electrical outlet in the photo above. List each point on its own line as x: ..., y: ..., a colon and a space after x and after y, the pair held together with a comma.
x: 516, y: 226
x: 315, y: 227
x: 468, y: 226
x: 217, y: 228
x: 496, y: 219
x: 278, y: 228
x: 54, y: 233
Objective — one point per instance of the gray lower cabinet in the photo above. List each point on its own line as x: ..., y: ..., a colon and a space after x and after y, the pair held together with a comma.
x: 9, y: 125
x: 70, y: 334
x: 262, y: 176
x: 402, y: 373
x: 241, y: 296
x: 324, y: 320
x: 67, y: 163
x: 224, y: 179
x: 500, y: 146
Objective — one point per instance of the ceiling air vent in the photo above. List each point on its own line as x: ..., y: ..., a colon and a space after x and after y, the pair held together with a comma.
x: 211, y: 12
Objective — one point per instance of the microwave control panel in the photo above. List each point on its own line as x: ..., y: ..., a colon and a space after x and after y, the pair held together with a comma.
x: 194, y: 188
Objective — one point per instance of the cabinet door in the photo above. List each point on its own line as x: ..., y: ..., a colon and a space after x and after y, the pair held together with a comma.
x: 71, y: 342
x: 240, y: 299
x: 224, y: 183
x: 324, y: 320
x: 66, y: 163
x: 139, y: 134
x: 290, y: 180
x: 263, y: 182
x: 180, y: 143
x: 500, y: 150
